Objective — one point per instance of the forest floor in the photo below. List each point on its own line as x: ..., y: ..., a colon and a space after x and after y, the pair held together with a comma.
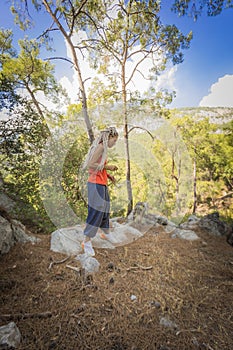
x: 128, y: 304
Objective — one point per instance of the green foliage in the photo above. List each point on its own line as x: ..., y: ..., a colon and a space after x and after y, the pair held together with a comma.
x: 211, y: 147
x: 73, y: 179
x: 119, y: 42
x: 22, y: 138
x: 23, y: 131
x: 30, y: 72
x: 195, y: 9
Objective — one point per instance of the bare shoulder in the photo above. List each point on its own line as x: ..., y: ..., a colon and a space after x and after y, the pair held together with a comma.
x: 97, y: 154
x: 99, y: 149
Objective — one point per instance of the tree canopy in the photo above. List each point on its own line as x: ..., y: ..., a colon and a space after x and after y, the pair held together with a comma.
x: 196, y: 8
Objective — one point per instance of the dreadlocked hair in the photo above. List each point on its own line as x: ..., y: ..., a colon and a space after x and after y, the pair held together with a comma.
x: 103, y: 137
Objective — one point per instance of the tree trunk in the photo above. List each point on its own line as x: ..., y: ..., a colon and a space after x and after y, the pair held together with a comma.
x: 194, y: 187
x: 176, y: 178
x: 126, y: 140
x: 77, y: 68
x: 82, y: 91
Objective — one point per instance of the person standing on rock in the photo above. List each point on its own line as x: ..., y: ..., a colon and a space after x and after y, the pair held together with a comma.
x: 98, y: 196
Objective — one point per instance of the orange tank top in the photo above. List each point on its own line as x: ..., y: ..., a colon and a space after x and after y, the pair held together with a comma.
x: 98, y: 176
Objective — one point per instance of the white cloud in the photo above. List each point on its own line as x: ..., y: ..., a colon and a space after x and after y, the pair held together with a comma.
x: 167, y: 79
x: 221, y: 93
x: 71, y: 87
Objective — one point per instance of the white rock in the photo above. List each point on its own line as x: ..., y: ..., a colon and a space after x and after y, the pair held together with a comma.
x: 67, y: 240
x: 185, y: 234
x: 6, y: 236
x: 10, y: 335
x: 88, y: 263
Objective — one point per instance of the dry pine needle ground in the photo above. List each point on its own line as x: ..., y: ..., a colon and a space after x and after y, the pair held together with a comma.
x: 188, y: 283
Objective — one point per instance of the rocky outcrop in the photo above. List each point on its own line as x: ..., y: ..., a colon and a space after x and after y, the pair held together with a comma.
x: 6, y: 236
x: 12, y: 231
x: 68, y: 240
x: 210, y: 223
x: 214, y: 225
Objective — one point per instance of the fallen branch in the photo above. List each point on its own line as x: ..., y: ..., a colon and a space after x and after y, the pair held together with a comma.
x: 228, y: 195
x: 139, y: 267
x: 145, y: 267
x: 57, y: 262
x: 77, y: 269
x: 27, y: 315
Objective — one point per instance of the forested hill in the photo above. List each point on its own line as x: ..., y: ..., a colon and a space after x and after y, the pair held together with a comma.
x: 216, y: 115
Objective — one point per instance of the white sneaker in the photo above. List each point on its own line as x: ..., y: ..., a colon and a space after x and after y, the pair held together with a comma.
x: 88, y: 249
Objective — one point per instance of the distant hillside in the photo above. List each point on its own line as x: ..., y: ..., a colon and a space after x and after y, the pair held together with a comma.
x: 148, y: 120
x: 218, y: 115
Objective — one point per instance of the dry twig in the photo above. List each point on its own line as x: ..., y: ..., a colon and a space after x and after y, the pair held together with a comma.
x: 57, y: 262
x: 24, y: 316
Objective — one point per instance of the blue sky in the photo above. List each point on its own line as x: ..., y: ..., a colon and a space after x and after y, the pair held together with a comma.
x: 206, y: 75
x: 209, y: 58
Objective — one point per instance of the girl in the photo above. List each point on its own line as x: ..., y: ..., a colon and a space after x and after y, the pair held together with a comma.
x: 98, y: 196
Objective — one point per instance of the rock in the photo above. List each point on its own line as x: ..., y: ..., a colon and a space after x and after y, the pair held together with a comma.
x: 192, y: 223
x: 6, y: 202
x: 213, y: 225
x: 185, y: 234
x: 133, y: 297
x: 164, y: 321
x: 155, y: 303
x: 19, y: 233
x: 88, y: 263
x: 67, y: 240
x: 120, y: 234
x: 6, y: 236
x: 170, y: 227
x: 12, y: 231
x: 230, y: 238
x: 10, y: 335
x: 153, y: 219
x: 161, y: 220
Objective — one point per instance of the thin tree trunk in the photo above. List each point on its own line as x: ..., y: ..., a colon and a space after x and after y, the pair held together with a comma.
x: 194, y: 186
x: 126, y: 139
x: 77, y: 68
x: 176, y: 178
x: 128, y: 170
x: 82, y: 90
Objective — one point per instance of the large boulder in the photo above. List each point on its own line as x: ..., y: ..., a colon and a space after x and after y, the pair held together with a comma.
x: 68, y: 240
x: 213, y: 225
x: 210, y: 223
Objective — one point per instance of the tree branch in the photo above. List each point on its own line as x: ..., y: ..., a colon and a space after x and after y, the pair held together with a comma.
x: 59, y: 58
x: 139, y: 127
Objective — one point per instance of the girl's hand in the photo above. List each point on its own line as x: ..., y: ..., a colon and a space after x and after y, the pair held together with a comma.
x: 112, y: 178
x: 111, y: 167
